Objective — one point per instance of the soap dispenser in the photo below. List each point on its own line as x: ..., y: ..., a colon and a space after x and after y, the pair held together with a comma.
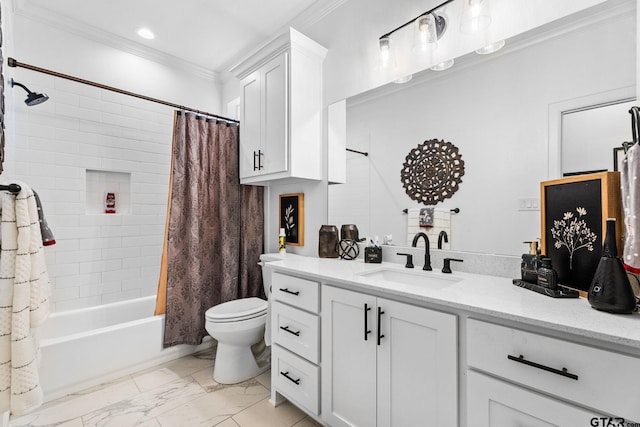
x: 610, y: 289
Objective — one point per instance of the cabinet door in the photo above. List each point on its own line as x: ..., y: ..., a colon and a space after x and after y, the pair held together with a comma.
x: 250, y: 119
x: 275, y: 119
x: 348, y: 358
x: 494, y: 403
x: 417, y: 366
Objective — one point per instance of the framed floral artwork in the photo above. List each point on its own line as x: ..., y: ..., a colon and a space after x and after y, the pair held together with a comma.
x: 292, y: 218
x: 574, y: 213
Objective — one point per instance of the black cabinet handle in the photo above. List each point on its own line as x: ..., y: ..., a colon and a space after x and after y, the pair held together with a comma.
x: 286, y: 375
x: 563, y: 371
x: 286, y: 328
x: 380, y: 313
x: 260, y: 154
x: 367, y: 331
x: 255, y: 164
x: 290, y: 292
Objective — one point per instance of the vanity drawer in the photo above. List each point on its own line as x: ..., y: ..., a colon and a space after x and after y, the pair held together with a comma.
x: 296, y: 379
x: 600, y: 379
x: 296, y: 330
x: 301, y: 293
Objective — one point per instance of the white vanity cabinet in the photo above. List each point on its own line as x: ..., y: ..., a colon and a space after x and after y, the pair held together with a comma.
x: 495, y: 403
x: 522, y: 378
x: 295, y: 334
x: 281, y: 111
x: 386, y: 363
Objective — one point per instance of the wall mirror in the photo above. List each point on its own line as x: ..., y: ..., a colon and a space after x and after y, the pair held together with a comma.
x: 496, y: 109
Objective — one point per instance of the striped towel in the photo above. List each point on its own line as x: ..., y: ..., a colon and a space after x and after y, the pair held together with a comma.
x: 24, y: 301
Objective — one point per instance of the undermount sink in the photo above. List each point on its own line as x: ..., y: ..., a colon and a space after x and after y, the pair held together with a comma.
x: 411, y: 277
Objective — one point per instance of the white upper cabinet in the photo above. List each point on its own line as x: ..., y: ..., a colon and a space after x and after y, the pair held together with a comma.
x: 281, y: 111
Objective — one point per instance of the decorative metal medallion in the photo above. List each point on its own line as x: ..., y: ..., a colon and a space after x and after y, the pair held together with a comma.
x: 432, y: 172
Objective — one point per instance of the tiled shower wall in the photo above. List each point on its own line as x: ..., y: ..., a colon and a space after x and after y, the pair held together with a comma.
x: 61, y: 148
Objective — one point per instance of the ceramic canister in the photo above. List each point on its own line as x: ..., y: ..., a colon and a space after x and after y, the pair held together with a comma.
x: 328, y: 242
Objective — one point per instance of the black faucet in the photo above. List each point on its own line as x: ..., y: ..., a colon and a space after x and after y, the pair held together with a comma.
x: 442, y: 235
x: 427, y: 255
x: 447, y: 264
x: 409, y: 263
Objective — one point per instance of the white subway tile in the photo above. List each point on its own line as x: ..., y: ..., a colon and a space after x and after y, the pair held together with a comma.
x: 62, y: 294
x: 128, y: 273
x: 59, y: 269
x: 100, y: 266
x: 120, y: 253
x: 140, y: 261
x: 120, y: 296
x: 100, y: 288
x: 101, y: 243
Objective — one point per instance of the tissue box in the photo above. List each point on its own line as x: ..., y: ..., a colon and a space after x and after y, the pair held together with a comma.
x: 373, y: 254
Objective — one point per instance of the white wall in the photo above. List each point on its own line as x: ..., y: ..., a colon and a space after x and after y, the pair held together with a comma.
x: 98, y: 258
x: 350, y: 34
x: 496, y: 113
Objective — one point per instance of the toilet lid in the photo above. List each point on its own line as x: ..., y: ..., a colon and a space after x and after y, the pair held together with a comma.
x: 240, y: 309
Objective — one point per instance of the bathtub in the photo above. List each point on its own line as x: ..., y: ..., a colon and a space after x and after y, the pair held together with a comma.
x: 86, y: 347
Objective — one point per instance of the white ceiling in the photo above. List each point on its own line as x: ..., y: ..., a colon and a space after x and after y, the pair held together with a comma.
x: 212, y: 34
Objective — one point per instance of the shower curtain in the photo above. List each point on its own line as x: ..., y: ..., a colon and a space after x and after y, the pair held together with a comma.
x: 214, y: 232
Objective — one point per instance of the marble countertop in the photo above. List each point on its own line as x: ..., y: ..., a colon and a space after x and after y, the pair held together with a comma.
x: 474, y: 293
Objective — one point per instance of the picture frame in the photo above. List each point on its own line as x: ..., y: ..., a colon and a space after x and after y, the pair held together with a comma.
x: 291, y: 212
x: 618, y: 156
x: 574, y: 212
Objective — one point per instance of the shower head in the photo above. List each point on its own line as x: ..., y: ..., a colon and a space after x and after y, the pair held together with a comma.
x: 33, y: 98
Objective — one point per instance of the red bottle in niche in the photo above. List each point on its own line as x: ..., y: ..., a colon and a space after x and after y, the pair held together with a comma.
x: 110, y: 203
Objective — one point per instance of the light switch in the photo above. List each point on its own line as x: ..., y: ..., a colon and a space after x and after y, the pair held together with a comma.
x: 528, y: 204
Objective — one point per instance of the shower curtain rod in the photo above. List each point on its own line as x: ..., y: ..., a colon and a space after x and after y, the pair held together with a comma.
x: 13, y: 63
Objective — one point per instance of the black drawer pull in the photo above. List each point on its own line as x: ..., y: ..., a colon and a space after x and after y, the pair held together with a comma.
x: 286, y: 375
x: 380, y: 335
x: 290, y: 292
x: 286, y: 328
x: 367, y: 331
x: 562, y: 371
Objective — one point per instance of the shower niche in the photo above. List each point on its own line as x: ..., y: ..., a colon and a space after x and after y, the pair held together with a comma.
x: 99, y: 183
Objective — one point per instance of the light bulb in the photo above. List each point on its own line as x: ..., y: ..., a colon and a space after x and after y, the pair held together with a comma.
x: 426, y: 37
x: 476, y: 16
x: 146, y: 33
x: 385, y: 50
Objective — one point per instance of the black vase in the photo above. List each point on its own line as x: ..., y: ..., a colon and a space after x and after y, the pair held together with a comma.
x: 610, y: 289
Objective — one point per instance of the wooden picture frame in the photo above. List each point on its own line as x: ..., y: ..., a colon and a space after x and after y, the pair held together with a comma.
x: 574, y: 212
x: 291, y: 211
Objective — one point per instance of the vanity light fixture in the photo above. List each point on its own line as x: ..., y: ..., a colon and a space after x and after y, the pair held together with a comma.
x: 445, y: 65
x: 491, y: 48
x: 429, y: 28
x: 146, y: 33
x: 476, y: 16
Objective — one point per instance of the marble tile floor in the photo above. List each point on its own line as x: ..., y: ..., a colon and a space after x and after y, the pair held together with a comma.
x: 180, y: 393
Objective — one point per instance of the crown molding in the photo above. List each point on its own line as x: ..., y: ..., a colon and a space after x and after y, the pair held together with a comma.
x: 75, y: 27
x: 301, y: 22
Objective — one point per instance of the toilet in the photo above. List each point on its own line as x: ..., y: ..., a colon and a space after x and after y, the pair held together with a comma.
x: 239, y: 328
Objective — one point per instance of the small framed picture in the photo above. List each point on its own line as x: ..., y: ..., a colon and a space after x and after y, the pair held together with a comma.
x: 292, y: 218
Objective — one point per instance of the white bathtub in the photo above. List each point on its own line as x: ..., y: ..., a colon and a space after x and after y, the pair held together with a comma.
x: 86, y: 347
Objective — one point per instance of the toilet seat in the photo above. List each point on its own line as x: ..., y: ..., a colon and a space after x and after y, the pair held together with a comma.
x: 237, y: 310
